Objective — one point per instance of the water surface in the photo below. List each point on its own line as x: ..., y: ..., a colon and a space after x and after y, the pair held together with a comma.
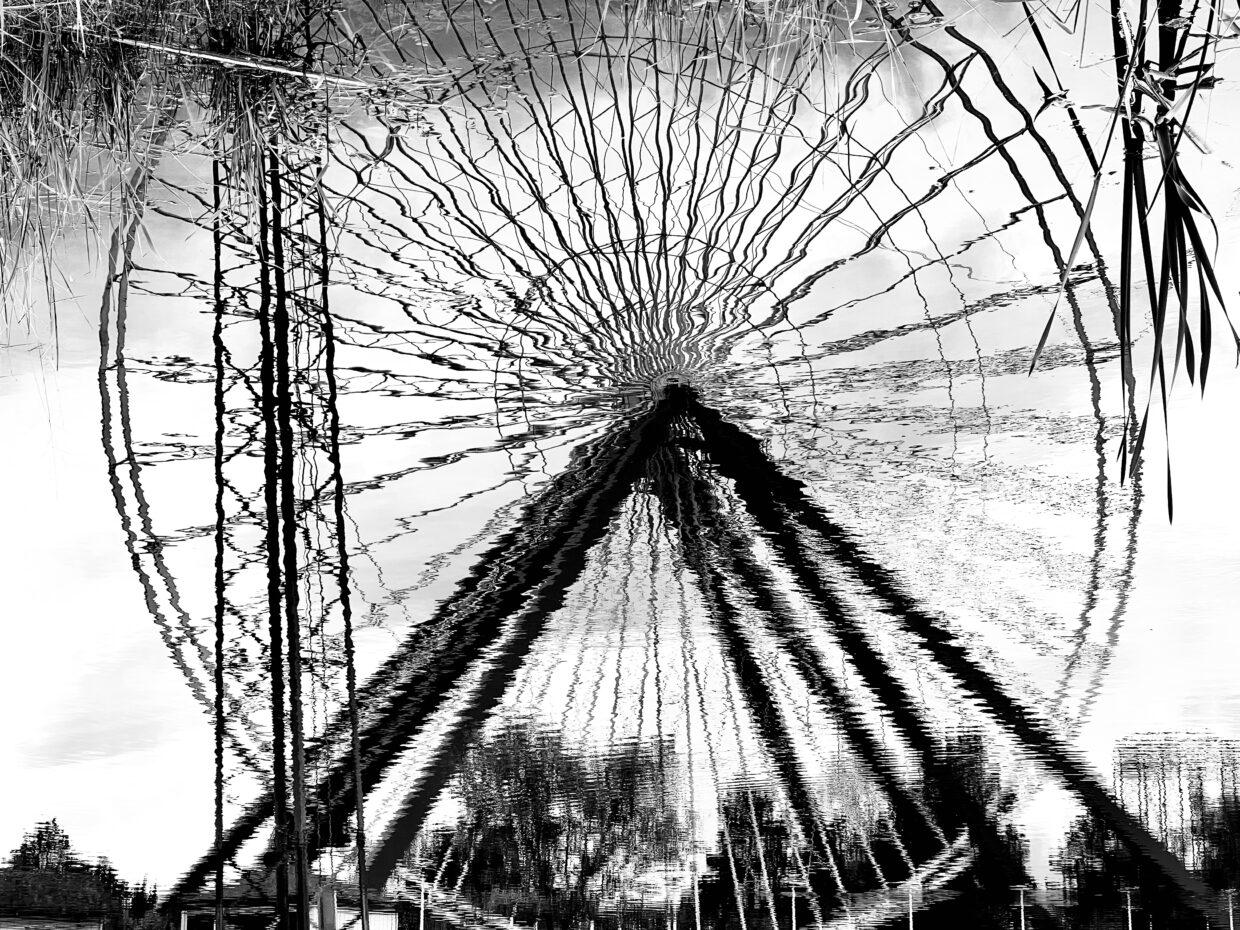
x: 579, y: 464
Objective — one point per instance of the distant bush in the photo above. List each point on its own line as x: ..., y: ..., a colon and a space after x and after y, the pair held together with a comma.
x: 46, y: 878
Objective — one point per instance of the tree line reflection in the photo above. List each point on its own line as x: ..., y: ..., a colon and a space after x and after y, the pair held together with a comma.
x: 542, y: 833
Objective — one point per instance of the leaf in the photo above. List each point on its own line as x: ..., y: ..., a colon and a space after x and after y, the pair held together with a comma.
x: 1190, y: 359
x: 1046, y: 331
x: 1206, y: 330
x: 1047, y: 95
x: 1170, y: 492
x: 1192, y: 69
x: 1086, y: 214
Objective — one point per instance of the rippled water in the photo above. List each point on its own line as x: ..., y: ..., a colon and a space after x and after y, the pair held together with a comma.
x: 578, y: 464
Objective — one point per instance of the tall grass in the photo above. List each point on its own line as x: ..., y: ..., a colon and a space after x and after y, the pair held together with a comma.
x: 75, y: 110
x: 1164, y: 60
x: 85, y: 88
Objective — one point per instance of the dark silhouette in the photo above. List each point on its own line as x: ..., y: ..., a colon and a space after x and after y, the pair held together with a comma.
x: 47, y: 879
x: 675, y: 449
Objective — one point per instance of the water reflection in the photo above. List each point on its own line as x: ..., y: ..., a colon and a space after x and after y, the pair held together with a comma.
x: 1187, y: 789
x: 503, y: 480
x: 939, y: 811
x: 546, y: 833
